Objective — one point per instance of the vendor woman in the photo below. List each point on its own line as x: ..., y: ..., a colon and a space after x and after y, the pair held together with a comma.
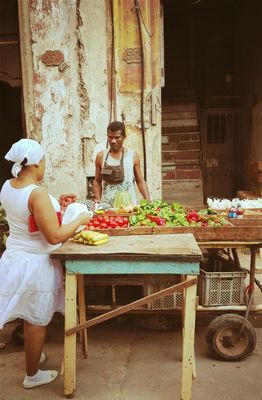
x: 118, y: 168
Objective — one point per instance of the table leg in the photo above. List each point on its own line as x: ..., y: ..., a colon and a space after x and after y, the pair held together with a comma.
x: 188, y: 358
x: 82, y: 312
x: 183, y: 278
x: 70, y: 341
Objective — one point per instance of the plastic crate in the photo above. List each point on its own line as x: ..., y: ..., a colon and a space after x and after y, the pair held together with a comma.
x: 221, y: 288
x: 169, y: 302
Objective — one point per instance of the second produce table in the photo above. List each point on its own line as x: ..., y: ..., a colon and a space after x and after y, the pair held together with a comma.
x: 144, y: 256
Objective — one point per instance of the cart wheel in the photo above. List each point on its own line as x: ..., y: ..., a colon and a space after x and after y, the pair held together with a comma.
x: 222, y: 338
x: 18, y: 335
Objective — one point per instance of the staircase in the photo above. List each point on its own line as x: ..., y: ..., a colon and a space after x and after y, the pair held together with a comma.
x: 181, y: 154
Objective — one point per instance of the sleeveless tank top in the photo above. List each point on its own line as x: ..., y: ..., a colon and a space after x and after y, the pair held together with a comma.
x: 109, y: 191
x: 15, y: 203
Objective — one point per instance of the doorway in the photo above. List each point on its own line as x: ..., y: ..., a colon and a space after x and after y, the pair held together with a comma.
x: 11, y: 121
x: 11, y: 124
x: 212, y: 60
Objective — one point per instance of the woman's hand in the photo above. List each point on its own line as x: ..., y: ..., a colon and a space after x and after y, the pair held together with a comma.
x: 84, y: 218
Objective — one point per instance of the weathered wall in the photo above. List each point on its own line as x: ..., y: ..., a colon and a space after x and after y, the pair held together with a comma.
x: 128, y: 67
x: 121, y: 91
x: 68, y: 94
x: 94, y: 36
x: 56, y: 92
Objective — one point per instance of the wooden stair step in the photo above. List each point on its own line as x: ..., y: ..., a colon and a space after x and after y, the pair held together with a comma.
x: 180, y: 123
x: 182, y: 163
x: 179, y: 115
x: 182, y: 174
x: 179, y: 107
x: 178, y: 155
x: 181, y: 145
x: 180, y: 129
x: 181, y: 137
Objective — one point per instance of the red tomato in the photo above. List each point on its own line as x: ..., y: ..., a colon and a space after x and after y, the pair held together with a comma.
x: 112, y: 224
x: 96, y: 223
x: 99, y: 219
x: 106, y: 219
x: 90, y: 227
x: 103, y: 225
x: 120, y: 221
x: 125, y: 225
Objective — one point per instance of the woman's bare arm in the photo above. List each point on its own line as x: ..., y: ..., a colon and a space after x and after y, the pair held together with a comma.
x: 46, y: 219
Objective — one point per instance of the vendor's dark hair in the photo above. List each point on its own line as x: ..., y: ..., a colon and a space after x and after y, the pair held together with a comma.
x: 117, y: 126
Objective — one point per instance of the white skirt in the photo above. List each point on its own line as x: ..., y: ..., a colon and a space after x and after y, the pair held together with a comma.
x: 31, y: 287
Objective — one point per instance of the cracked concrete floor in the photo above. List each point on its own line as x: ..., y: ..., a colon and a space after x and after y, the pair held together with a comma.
x: 128, y: 361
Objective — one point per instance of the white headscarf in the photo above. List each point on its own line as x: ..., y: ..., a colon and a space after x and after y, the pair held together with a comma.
x: 24, y: 149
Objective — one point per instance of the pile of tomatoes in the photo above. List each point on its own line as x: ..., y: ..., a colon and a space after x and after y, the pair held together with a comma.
x: 66, y: 199
x: 107, y: 222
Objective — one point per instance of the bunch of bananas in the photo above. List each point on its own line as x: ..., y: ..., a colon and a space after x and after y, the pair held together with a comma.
x: 91, y: 237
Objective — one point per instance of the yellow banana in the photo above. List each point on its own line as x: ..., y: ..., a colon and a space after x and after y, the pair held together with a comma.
x: 93, y: 236
x: 85, y: 234
x: 100, y: 236
x: 99, y: 242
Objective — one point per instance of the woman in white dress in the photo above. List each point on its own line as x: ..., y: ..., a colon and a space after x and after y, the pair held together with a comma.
x: 31, y: 283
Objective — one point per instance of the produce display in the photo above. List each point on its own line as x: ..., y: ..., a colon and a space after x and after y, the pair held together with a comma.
x: 122, y: 199
x: 91, y: 238
x: 160, y: 213
x: 66, y: 199
x: 100, y: 221
x: 225, y: 204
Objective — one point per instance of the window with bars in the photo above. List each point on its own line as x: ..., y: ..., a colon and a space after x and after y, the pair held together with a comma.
x: 216, y: 128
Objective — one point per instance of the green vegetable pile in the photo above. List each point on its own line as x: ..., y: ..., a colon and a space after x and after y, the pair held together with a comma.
x: 160, y: 213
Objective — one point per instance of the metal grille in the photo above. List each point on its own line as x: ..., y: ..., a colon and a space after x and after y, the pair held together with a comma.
x: 168, y: 302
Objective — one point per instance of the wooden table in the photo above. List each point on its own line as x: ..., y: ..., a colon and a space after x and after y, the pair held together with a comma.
x: 142, y: 255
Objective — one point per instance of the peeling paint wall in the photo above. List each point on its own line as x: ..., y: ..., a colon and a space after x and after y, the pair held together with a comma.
x: 75, y: 93
x: 128, y: 82
x: 93, y: 36
x: 53, y: 27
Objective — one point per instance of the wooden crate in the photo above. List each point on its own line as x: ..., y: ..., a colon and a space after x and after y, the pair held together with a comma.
x: 224, y: 233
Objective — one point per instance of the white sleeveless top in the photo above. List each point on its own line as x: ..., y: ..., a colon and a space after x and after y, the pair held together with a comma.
x: 31, y: 283
x: 109, y: 191
x: 15, y: 203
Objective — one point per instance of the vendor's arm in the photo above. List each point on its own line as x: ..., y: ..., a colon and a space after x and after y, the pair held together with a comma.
x: 140, y: 181
x: 97, y: 184
x: 41, y: 207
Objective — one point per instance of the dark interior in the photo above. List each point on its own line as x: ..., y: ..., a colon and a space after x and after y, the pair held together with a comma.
x: 213, y: 57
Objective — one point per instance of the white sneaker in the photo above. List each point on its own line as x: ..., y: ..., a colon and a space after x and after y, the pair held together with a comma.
x: 41, y: 378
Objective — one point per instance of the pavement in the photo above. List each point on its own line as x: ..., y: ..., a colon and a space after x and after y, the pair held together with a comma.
x: 129, y: 359
x: 136, y: 357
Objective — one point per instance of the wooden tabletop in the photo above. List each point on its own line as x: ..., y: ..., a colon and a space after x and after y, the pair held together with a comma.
x: 170, y: 246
